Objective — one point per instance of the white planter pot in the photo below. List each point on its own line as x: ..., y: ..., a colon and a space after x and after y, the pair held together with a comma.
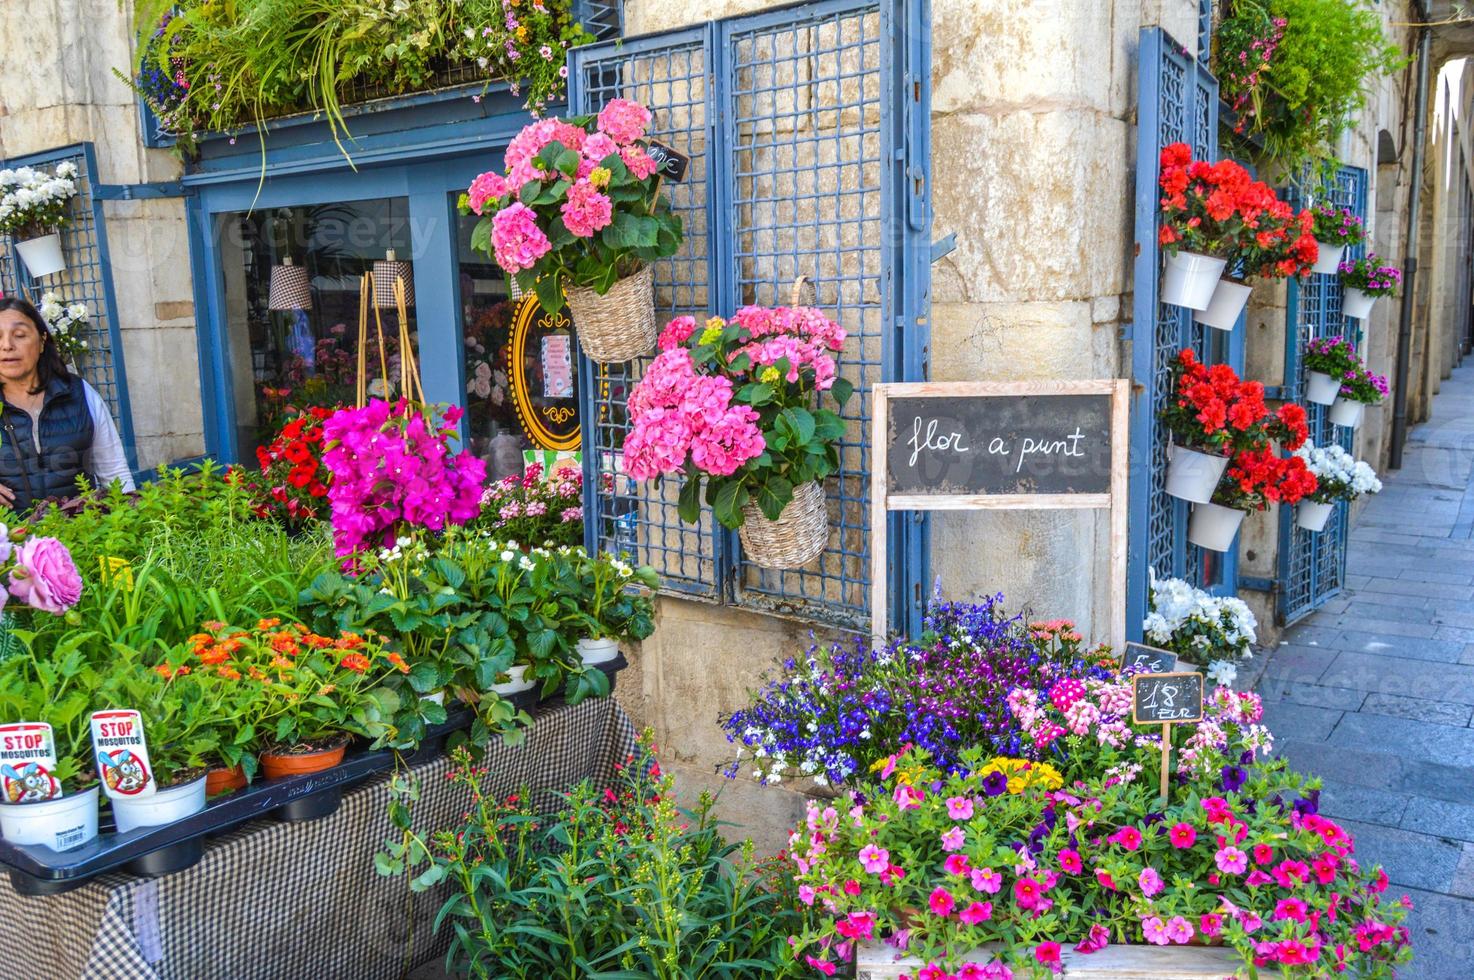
x: 1190, y: 279
x: 1321, y: 388
x: 597, y: 651
x: 1311, y: 516
x: 165, y: 806
x: 42, y: 256
x: 1357, y: 304
x: 1229, y: 300
x: 1329, y: 261
x: 1347, y: 412
x: 516, y: 682
x: 438, y: 697
x: 1213, y: 527
x: 60, y: 824
x: 1193, y: 476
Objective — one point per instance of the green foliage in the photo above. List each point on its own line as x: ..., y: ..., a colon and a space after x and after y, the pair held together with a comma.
x: 621, y: 883
x: 1305, y: 70
x: 249, y: 60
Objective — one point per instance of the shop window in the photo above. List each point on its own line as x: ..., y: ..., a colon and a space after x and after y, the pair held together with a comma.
x: 292, y: 278
x: 521, y: 384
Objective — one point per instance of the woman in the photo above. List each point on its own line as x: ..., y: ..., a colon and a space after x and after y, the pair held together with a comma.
x: 53, y: 425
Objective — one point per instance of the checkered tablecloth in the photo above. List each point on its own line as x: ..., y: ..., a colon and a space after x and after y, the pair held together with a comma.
x: 281, y: 901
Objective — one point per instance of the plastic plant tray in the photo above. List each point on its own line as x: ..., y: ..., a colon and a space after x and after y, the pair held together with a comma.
x: 38, y: 870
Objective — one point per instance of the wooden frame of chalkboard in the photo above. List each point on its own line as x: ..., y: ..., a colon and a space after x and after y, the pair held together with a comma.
x: 1099, y: 482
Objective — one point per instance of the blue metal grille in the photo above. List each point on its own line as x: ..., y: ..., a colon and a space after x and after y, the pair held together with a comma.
x: 1313, y: 566
x: 1177, y: 102
x: 806, y: 118
x: 602, y: 18
x: 1205, y: 31
x: 86, y: 279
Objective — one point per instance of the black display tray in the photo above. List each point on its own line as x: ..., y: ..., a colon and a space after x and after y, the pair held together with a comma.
x: 38, y: 870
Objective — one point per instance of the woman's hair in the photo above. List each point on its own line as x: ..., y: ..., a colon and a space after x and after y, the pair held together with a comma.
x: 50, y: 365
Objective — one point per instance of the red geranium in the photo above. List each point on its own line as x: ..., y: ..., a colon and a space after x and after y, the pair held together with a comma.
x: 293, y: 478
x: 1220, y: 209
x: 1258, y: 477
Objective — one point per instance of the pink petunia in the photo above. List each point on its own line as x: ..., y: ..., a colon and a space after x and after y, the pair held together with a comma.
x: 954, y: 839
x: 1151, y: 883
x: 1128, y: 837
x: 956, y: 864
x: 941, y: 902
x: 1231, y: 860
x: 976, y: 912
x: 986, y: 880
x: 874, y: 859
x: 959, y: 808
x: 1179, y: 930
x: 1182, y: 835
x: 1098, y: 939
x: 1047, y: 953
x: 1155, y: 931
x: 1069, y: 861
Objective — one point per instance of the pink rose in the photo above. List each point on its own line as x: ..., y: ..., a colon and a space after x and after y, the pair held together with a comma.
x: 44, y: 576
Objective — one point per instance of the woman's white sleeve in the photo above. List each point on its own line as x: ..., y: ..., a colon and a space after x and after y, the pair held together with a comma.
x: 106, y: 460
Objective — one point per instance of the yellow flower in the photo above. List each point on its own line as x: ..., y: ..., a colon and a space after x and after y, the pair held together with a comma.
x: 522, y: 34
x: 600, y: 177
x: 711, y: 335
x: 716, y: 323
x: 769, y: 375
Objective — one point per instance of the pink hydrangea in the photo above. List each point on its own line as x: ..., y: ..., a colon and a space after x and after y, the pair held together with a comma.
x: 677, y: 332
x: 530, y: 142
x: 598, y: 147
x: 586, y: 210
x: 638, y: 161
x: 487, y: 187
x: 623, y: 121
x: 517, y: 241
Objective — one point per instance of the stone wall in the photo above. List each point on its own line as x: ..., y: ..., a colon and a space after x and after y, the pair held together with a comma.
x: 57, y: 94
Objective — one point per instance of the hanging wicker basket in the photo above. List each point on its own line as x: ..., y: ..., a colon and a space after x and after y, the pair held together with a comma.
x: 618, y: 326
x: 797, y: 537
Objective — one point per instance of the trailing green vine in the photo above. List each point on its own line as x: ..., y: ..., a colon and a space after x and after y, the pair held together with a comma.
x: 1296, y: 73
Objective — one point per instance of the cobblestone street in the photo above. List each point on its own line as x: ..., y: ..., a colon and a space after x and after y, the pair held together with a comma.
x: 1375, y: 690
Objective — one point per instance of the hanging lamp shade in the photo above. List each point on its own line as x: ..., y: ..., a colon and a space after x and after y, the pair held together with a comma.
x: 386, y: 270
x: 290, y: 288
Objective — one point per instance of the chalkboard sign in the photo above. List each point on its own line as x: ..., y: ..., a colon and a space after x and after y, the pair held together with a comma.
x: 1165, y: 699
x: 1016, y: 445
x: 670, y: 164
x: 1149, y: 660
x: 1028, y: 444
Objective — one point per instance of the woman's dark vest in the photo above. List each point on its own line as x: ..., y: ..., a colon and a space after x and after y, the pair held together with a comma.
x: 66, y: 435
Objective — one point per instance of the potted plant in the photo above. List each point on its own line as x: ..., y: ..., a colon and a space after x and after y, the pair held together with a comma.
x: 1211, y: 415
x: 1363, y: 282
x: 579, y: 214
x: 734, y: 403
x: 293, y: 486
x: 1335, y: 229
x: 1199, y: 221
x: 609, y: 607
x: 67, y: 323
x: 1222, y: 208
x: 1255, y: 479
x: 533, y: 509
x: 1329, y: 361
x: 1201, y: 628
x: 34, y: 206
x: 1339, y: 476
x: 1358, y: 390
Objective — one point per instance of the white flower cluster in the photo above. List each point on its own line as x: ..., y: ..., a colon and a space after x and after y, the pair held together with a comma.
x: 1201, y: 627
x: 33, y: 201
x: 67, y: 322
x: 1340, y: 475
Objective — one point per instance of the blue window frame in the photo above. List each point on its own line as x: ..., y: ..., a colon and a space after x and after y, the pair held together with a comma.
x: 1312, y: 567
x: 86, y: 279
x: 1177, y: 101
x: 808, y: 132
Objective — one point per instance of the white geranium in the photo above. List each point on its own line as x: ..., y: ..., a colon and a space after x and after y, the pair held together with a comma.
x: 1339, y: 475
x: 34, y: 202
x: 1198, y: 625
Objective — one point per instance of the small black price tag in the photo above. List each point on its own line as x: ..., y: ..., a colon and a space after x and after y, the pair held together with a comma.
x: 1162, y: 699
x: 1149, y: 660
x: 671, y: 163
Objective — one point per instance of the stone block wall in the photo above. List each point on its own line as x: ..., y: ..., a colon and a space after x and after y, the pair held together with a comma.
x: 57, y: 94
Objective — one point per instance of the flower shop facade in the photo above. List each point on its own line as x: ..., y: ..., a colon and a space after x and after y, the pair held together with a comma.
x: 970, y: 194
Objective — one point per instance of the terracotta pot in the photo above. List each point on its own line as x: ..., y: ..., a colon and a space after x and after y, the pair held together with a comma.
x: 221, y: 780
x: 280, y: 765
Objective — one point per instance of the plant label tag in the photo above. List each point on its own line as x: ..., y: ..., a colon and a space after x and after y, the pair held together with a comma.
x: 27, y: 761
x: 122, y: 755
x: 116, y: 571
x: 671, y: 164
x: 1149, y: 660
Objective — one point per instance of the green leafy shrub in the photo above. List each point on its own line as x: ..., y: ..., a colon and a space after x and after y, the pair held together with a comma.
x: 1296, y: 72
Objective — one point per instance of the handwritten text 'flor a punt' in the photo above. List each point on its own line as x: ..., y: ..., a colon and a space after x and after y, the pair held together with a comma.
x: 926, y: 436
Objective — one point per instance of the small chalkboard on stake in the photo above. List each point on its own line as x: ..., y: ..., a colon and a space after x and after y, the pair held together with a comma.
x: 671, y: 165
x: 1149, y: 660
x: 1166, y: 699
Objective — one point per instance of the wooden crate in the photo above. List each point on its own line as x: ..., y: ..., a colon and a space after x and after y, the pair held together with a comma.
x: 874, y: 961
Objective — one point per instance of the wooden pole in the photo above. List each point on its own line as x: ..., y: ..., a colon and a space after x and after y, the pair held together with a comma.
x: 1166, y: 757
